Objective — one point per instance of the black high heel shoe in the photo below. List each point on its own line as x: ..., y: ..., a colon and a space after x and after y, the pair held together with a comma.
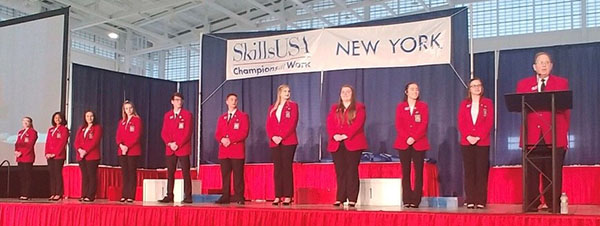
x: 287, y: 201
x: 276, y: 201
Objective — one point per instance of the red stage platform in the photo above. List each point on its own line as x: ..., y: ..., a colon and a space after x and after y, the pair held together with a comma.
x: 316, y: 177
x: 505, y: 183
x: 72, y: 213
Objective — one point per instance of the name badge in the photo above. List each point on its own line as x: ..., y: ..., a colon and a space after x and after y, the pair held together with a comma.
x: 131, y: 129
x: 58, y: 135
x: 485, y: 112
x: 534, y: 88
x: 236, y: 125
x: 417, y: 118
x: 26, y: 139
x: 181, y: 125
x: 288, y: 114
x: 91, y: 136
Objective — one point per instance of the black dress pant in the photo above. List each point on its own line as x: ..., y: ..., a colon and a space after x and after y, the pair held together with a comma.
x: 89, y: 178
x: 476, y: 168
x: 25, y: 169
x: 283, y: 159
x: 55, y: 167
x: 410, y: 195
x: 237, y: 167
x: 346, y: 173
x: 542, y: 158
x: 184, y: 162
x: 129, y: 175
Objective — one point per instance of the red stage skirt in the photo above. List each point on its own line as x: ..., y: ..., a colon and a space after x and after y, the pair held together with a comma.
x: 258, y: 178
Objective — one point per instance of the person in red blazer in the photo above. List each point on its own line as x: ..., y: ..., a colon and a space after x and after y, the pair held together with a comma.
x: 177, y: 133
x: 281, y: 131
x: 475, y: 123
x: 347, y: 140
x: 25, y: 153
x: 56, y: 147
x: 87, y: 146
x: 231, y: 133
x: 129, y: 132
x: 412, y: 118
x: 538, y: 127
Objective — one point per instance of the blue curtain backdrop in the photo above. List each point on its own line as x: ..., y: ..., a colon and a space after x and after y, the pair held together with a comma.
x: 484, y: 68
x: 103, y: 92
x: 380, y: 89
x: 189, y: 89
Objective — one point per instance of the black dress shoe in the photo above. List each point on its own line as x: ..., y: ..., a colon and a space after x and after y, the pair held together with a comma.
x: 88, y: 200
x: 123, y: 200
x: 241, y: 202
x: 222, y: 201
x: 187, y: 200
x: 166, y: 199
x: 337, y: 203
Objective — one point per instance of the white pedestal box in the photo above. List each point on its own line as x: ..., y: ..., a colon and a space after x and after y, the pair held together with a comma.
x: 380, y: 192
x: 156, y: 189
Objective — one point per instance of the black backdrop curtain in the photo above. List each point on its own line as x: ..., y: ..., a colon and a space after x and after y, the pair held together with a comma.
x: 380, y: 89
x: 103, y: 92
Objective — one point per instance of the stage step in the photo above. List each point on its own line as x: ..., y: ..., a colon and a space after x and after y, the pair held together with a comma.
x: 205, y: 198
x: 440, y: 202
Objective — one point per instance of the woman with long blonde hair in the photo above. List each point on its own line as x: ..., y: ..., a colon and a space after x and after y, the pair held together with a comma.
x: 281, y: 131
x: 129, y: 132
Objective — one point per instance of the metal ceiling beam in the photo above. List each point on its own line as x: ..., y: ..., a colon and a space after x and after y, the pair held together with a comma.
x: 345, y: 6
x: 231, y: 14
x: 271, y: 12
x: 312, y: 12
x: 425, y: 6
x: 130, y: 12
x: 171, y: 11
x: 151, y: 35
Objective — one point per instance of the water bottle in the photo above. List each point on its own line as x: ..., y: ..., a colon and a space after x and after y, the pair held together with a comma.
x: 564, y: 203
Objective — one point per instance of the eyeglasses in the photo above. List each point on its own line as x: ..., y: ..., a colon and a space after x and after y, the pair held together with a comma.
x: 475, y: 86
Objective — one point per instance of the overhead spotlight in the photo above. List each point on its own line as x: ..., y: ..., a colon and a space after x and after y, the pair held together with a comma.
x: 113, y: 35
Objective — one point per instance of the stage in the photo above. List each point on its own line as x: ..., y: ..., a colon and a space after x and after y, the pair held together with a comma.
x: 70, y: 212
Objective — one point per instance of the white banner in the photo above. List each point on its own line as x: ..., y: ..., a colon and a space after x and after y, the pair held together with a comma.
x: 400, y: 45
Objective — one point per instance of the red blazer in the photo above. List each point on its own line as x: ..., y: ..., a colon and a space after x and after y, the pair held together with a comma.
x: 90, y: 143
x: 540, y: 121
x: 56, y: 141
x: 179, y: 130
x: 483, y: 125
x: 286, y: 127
x: 129, y: 134
x: 357, y: 141
x: 237, y: 132
x: 25, y: 144
x: 414, y: 126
